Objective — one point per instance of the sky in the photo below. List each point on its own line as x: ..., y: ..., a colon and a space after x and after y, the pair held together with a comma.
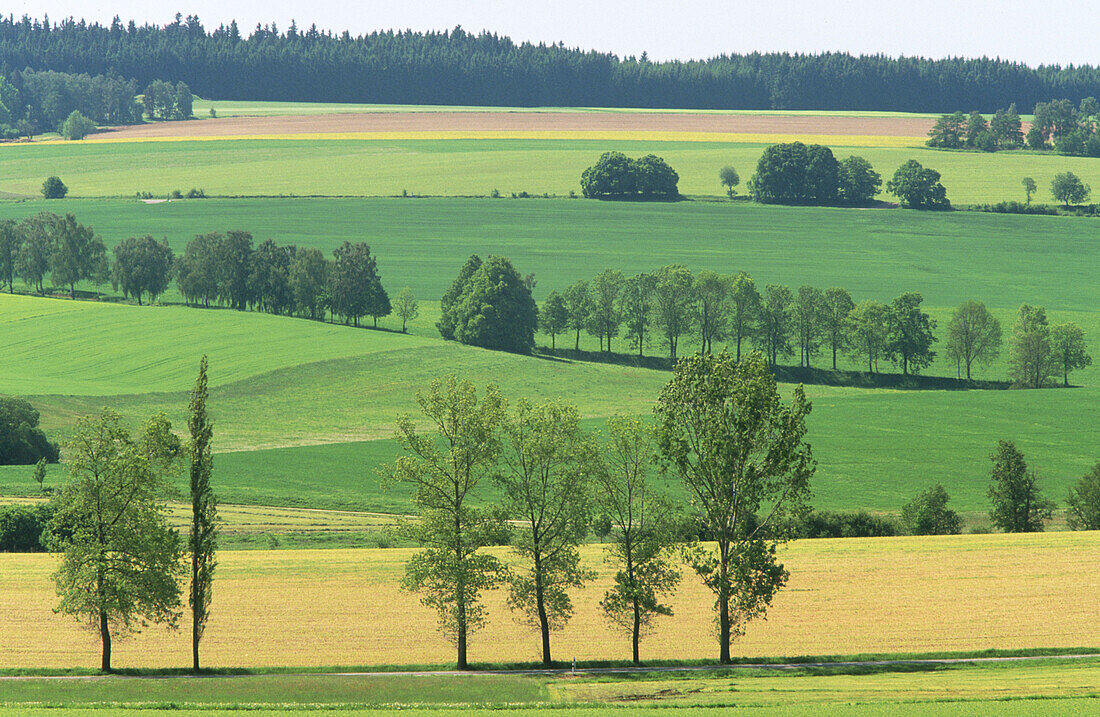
x: 1031, y: 32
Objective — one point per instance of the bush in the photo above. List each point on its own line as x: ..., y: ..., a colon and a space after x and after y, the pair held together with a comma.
x: 54, y: 188
x: 22, y: 528
x: 196, y: 193
x: 1016, y: 208
x: 928, y: 514
x: 22, y: 442
x: 175, y: 194
x: 77, y: 126
x: 829, y: 524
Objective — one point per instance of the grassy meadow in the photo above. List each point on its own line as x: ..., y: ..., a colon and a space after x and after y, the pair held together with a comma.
x: 306, y: 420
x: 470, y: 166
x: 314, y: 608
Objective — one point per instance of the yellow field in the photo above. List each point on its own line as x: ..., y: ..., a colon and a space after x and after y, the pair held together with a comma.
x: 834, y: 140
x: 345, y: 607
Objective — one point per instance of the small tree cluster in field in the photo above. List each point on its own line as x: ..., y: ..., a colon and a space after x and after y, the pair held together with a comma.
x: 48, y: 244
x: 228, y: 270
x: 165, y: 101
x: 616, y: 176
x: 54, y: 188
x: 71, y: 104
x: 1041, y: 352
x: 797, y: 173
x: 973, y: 131
x: 558, y: 481
x: 489, y: 305
x: 1071, y: 130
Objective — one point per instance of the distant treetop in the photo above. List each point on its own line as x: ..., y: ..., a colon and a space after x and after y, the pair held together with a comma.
x: 457, y: 67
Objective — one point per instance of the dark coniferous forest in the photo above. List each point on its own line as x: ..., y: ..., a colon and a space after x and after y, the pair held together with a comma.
x: 456, y: 67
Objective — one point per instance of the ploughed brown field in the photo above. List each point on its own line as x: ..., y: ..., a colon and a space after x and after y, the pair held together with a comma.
x: 497, y: 121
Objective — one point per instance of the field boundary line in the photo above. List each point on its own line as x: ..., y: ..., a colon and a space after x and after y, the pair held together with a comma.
x: 553, y: 671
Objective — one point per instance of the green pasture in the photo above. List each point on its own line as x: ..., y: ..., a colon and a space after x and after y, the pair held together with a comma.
x: 305, y: 410
x: 467, y: 167
x: 1053, y: 687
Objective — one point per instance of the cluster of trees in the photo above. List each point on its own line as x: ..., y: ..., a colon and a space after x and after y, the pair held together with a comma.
x: 228, y: 270
x: 721, y: 430
x: 165, y: 101
x: 1041, y: 353
x: 490, y: 305
x: 1059, y: 124
x: 121, y: 563
x: 796, y: 173
x: 73, y: 104
x: 616, y: 176
x: 457, y: 67
x: 973, y: 131
x: 1017, y: 501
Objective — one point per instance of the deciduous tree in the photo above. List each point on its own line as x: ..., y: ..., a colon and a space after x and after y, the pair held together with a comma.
x: 554, y: 317
x: 78, y: 254
x: 740, y: 452
x: 142, y: 266
x: 973, y: 334
x: 1068, y: 188
x: 928, y: 514
x: 774, y: 322
x: 836, y: 306
x: 711, y: 293
x: 444, y: 467
x: 1031, y: 360
x: 730, y: 179
x: 638, y: 304
x: 407, y: 308
x: 121, y: 562
x: 1067, y: 345
x: 672, y: 305
x: 868, y: 332
x: 1084, y: 502
x: 643, y: 535
x: 546, y: 466
x: 744, y: 309
x: 917, y: 187
x: 910, y: 333
x: 1018, y: 504
x: 579, y: 301
x: 807, y: 316
x: 496, y: 310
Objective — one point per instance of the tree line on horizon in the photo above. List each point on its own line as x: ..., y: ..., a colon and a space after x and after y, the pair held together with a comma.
x: 462, y: 68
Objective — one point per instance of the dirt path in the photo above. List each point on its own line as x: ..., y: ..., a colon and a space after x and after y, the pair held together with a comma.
x: 495, y: 121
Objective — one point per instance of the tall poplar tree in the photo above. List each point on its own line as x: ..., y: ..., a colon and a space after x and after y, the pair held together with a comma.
x: 203, y: 541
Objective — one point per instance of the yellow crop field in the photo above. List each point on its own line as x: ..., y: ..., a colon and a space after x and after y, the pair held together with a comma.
x: 834, y: 140
x: 346, y: 607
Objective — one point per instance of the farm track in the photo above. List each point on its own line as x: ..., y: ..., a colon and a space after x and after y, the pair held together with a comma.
x: 498, y: 121
x: 555, y: 671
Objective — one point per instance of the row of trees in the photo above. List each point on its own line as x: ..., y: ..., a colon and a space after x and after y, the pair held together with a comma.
x: 457, y: 67
x: 121, y: 563
x: 227, y: 270
x: 671, y: 303
x: 616, y: 176
x: 165, y: 101
x: 721, y: 430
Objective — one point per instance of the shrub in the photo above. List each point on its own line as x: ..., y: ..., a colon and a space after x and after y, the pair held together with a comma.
x: 829, y: 524
x: 22, y: 528
x: 54, y: 188
x: 175, y: 194
x: 196, y: 193
x: 1016, y: 208
x: 928, y: 514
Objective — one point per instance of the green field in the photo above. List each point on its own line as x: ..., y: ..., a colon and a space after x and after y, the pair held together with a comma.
x: 460, y: 167
x: 313, y: 384
x: 1049, y: 687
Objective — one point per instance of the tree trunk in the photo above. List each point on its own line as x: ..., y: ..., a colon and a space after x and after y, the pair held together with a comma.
x: 724, y: 606
x: 577, y: 346
x: 544, y: 620
x: 636, y: 635
x: 461, y: 634
x: 834, y: 356
x: 105, y: 636
x: 552, y: 341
